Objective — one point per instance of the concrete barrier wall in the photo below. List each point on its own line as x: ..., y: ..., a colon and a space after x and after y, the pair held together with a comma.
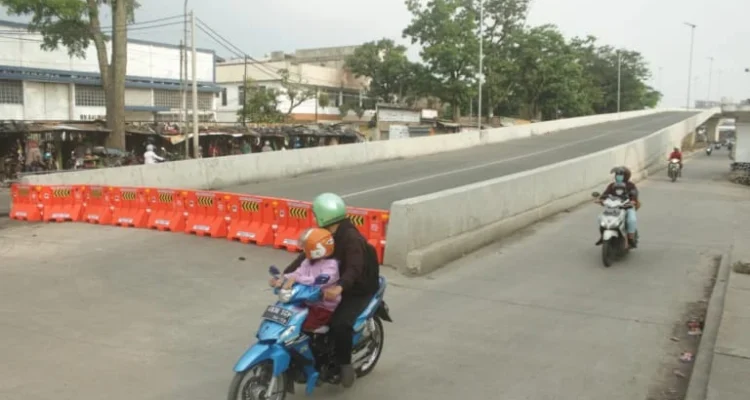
x: 213, y: 173
x: 429, y: 231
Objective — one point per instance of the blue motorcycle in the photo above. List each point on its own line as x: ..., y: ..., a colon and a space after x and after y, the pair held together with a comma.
x: 285, y: 355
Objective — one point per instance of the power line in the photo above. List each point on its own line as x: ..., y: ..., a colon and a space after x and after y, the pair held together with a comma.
x: 180, y: 16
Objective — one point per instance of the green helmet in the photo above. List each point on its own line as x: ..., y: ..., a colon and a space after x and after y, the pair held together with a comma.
x: 329, y: 208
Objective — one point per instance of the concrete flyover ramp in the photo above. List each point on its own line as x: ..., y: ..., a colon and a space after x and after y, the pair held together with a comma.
x: 92, y: 312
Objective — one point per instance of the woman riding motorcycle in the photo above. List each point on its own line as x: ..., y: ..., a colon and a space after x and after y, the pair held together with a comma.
x: 360, y: 273
x: 624, y: 189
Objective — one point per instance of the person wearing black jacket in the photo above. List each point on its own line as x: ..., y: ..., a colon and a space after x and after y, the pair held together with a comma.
x: 359, y: 270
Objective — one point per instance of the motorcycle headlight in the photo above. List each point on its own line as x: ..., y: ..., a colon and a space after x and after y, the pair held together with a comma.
x: 285, y: 295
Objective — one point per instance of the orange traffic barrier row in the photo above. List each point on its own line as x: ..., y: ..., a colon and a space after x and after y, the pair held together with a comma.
x: 260, y: 220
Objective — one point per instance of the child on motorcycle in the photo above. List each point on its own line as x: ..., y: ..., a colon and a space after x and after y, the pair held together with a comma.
x: 318, y: 247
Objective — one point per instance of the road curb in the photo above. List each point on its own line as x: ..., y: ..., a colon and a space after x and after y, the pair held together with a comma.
x: 698, y: 386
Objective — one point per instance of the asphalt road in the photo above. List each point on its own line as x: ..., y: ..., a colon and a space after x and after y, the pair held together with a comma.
x: 377, y: 185
x: 90, y: 312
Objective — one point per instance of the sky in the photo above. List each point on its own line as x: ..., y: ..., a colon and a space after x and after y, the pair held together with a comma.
x: 653, y: 27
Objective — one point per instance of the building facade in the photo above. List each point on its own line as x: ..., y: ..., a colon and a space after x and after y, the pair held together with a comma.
x: 318, y: 71
x: 38, y: 85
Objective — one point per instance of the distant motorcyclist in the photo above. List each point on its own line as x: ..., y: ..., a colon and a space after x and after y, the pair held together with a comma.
x: 676, y: 153
x: 150, y: 156
x: 359, y: 270
x: 624, y: 189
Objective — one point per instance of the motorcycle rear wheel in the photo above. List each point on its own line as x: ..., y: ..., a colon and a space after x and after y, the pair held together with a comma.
x: 247, y: 386
x: 375, y: 349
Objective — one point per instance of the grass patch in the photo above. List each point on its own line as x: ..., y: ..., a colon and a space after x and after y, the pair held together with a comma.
x: 741, y: 267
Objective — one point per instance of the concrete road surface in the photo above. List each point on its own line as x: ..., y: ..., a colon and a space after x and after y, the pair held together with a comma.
x: 378, y: 185
x: 90, y: 312
x: 4, y: 201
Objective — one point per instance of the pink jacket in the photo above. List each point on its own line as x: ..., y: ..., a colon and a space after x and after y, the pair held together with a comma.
x: 308, y: 271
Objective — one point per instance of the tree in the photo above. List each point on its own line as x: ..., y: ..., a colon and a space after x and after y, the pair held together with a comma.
x: 387, y: 66
x: 261, y: 105
x: 446, y: 30
x: 295, y: 90
x: 75, y: 25
x: 324, y: 100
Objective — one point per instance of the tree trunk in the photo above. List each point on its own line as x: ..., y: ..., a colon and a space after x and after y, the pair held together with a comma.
x: 101, y: 56
x: 118, y: 64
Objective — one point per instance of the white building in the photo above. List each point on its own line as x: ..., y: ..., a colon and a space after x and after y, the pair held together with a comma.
x: 52, y: 86
x: 317, y: 69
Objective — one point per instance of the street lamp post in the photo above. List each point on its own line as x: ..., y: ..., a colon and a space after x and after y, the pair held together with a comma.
x: 619, y: 79
x: 690, y: 63
x: 183, y: 85
x: 710, y: 73
x: 481, y: 64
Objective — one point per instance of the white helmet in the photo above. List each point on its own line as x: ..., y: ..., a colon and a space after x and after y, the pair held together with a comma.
x: 150, y: 147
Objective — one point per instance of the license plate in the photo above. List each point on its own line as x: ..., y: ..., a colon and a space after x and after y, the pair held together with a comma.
x: 278, y: 315
x: 612, y: 212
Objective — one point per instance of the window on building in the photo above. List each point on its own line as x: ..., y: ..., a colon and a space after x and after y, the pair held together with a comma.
x: 11, y: 92
x: 172, y: 99
x: 241, y: 95
x: 90, y: 96
x: 224, y: 97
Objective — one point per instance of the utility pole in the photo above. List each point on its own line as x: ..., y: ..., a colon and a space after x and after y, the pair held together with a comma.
x: 481, y: 64
x: 244, y: 100
x: 690, y: 64
x: 710, y: 73
x: 196, y: 142
x: 619, y: 79
x: 183, y: 83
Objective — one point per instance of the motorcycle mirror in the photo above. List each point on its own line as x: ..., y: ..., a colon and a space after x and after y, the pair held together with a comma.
x: 322, y: 279
x: 273, y: 270
x: 595, y: 194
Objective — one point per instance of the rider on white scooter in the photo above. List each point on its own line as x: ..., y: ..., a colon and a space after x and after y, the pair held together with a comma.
x: 623, y: 188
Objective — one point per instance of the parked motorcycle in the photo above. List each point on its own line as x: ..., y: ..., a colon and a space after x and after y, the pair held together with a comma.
x: 613, y: 229
x: 285, y: 355
x: 673, y: 169
x: 709, y: 150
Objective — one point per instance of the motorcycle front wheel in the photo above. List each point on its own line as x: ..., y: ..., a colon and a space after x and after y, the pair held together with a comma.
x: 673, y: 175
x: 257, y: 383
x: 608, y: 252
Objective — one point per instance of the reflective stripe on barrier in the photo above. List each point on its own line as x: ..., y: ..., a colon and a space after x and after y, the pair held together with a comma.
x: 294, y: 217
x: 96, y: 206
x: 253, y: 219
x: 62, y: 203
x: 166, y: 209
x: 129, y: 207
x: 25, y: 203
x: 207, y: 214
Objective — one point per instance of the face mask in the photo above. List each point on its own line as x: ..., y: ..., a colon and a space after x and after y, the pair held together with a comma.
x: 619, y: 178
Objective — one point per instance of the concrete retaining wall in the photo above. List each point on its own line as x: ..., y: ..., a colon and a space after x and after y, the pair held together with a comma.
x: 213, y: 173
x: 429, y: 231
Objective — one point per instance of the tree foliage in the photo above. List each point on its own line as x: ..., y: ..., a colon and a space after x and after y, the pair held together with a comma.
x: 75, y: 25
x: 530, y: 71
x: 295, y: 90
x: 261, y: 105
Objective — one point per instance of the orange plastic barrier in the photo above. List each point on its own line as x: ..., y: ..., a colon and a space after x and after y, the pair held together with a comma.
x: 207, y: 214
x: 129, y: 207
x: 62, y: 203
x: 97, y: 208
x: 25, y: 203
x: 253, y: 219
x: 294, y: 217
x: 372, y: 225
x: 166, y: 209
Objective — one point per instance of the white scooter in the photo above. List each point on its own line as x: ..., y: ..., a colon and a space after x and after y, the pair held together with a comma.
x: 674, y: 169
x: 709, y: 150
x: 613, y: 228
